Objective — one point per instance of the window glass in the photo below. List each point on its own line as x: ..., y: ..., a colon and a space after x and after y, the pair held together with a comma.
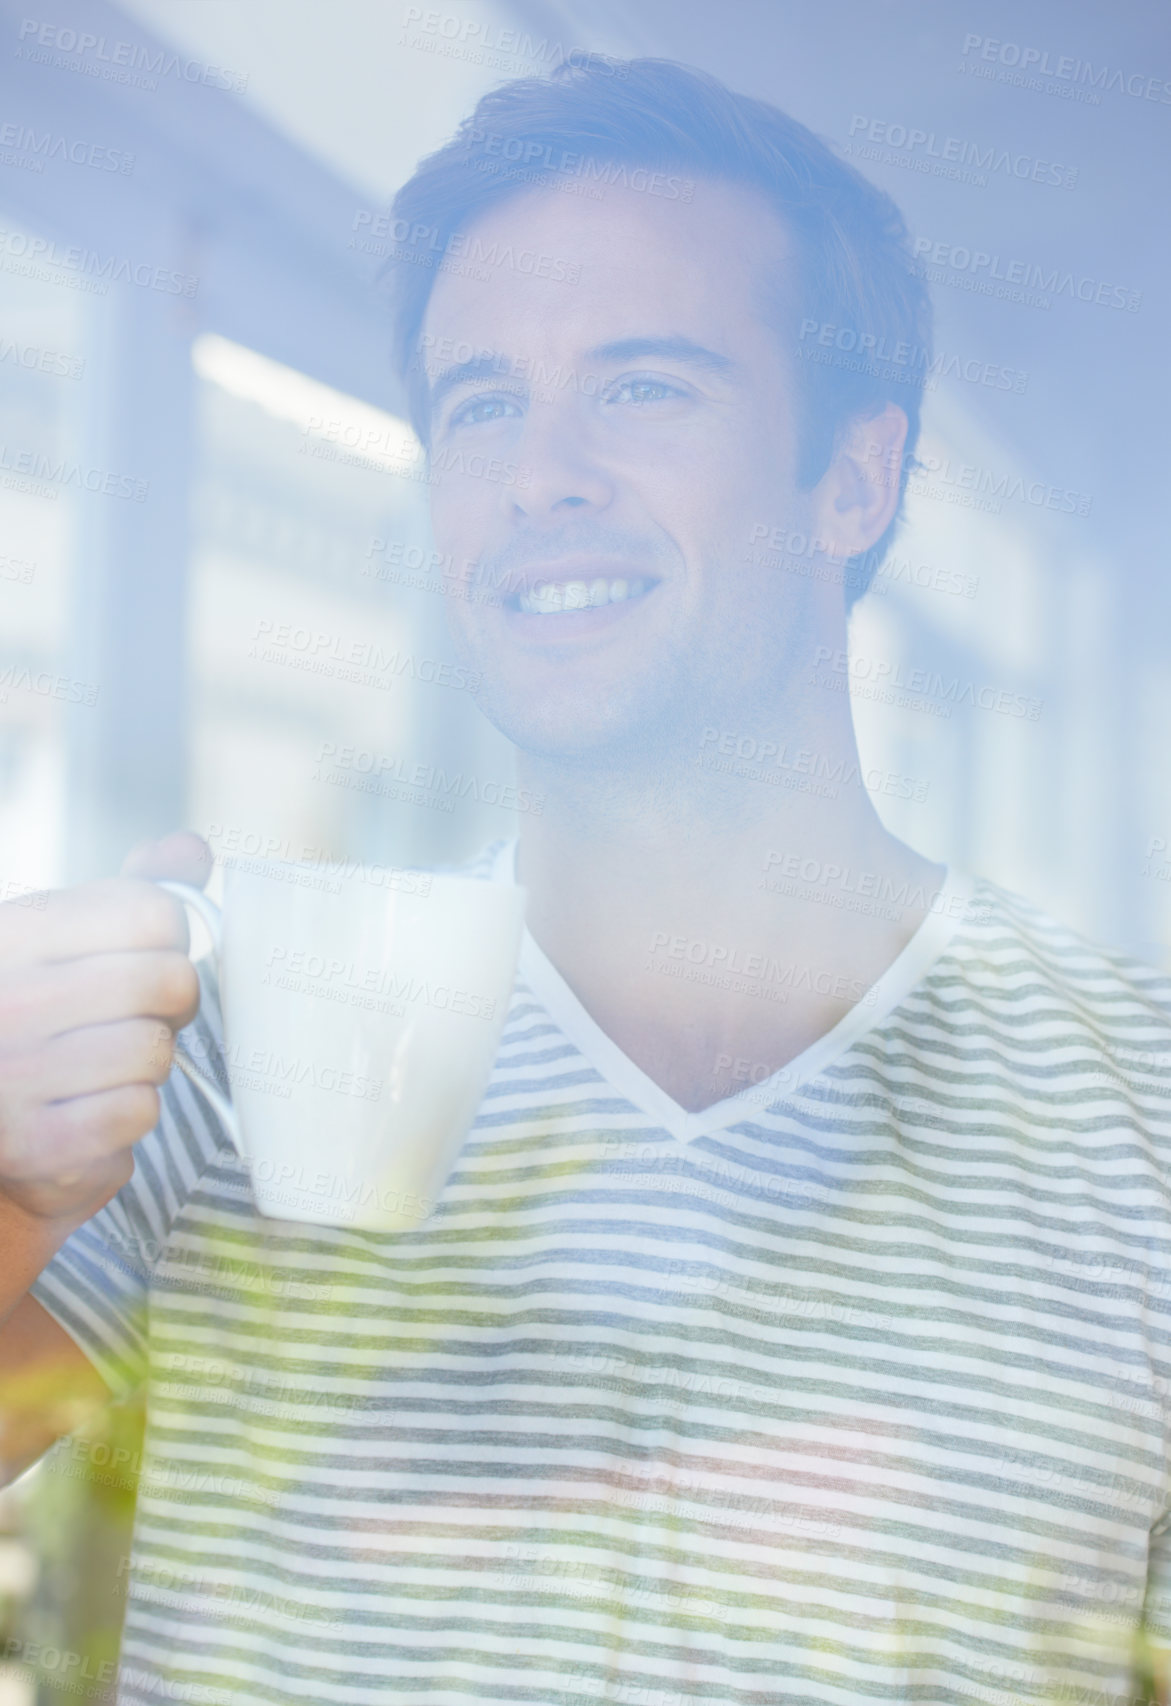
x: 43, y: 381
x: 330, y: 717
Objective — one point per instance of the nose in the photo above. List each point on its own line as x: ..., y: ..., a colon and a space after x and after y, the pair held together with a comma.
x: 557, y: 468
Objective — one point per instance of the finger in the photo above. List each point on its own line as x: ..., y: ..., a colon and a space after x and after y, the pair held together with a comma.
x: 100, y: 1057
x: 45, y: 1001
x: 184, y: 857
x: 77, y: 1194
x: 80, y: 1063
x: 114, y: 915
x: 68, y: 1137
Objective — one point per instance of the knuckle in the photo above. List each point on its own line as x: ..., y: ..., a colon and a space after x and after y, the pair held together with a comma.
x: 52, y: 1141
x: 89, y: 1125
x: 160, y: 1053
x: 138, y: 1111
x: 161, y: 917
x: 178, y: 983
x: 122, y: 1168
x: 23, y: 914
x: 23, y: 1000
x: 153, y: 917
x: 21, y: 1146
x: 125, y: 1115
x: 14, y: 1078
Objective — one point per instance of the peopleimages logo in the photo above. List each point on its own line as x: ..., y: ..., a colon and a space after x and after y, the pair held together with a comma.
x: 32, y: 148
x: 302, y: 866
x: 866, y: 885
x: 483, y: 41
x: 923, y: 149
x: 39, y: 360
x: 95, y: 56
x: 349, y: 983
x: 98, y: 270
x: 530, y: 155
x: 886, y: 680
x: 407, y: 563
x: 1037, y: 62
x: 19, y: 678
x: 890, y: 358
x: 799, y: 767
x: 382, y: 773
x: 991, y: 270
x: 748, y: 973
x: 364, y: 662
x: 1158, y: 863
x: 426, y: 245
x: 76, y: 1673
x: 13, y: 893
x: 37, y: 466
x: 932, y: 476
x: 275, y: 1074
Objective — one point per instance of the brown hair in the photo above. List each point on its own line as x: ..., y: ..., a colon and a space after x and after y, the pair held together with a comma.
x: 858, y: 312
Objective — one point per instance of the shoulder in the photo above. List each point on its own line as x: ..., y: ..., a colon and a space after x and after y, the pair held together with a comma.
x: 1047, y: 981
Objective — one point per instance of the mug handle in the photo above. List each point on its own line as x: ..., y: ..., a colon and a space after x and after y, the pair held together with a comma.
x: 213, y: 918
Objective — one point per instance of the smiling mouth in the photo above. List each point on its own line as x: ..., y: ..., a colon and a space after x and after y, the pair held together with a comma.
x: 556, y: 598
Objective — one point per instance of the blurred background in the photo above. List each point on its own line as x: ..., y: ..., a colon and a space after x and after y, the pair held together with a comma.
x: 202, y: 445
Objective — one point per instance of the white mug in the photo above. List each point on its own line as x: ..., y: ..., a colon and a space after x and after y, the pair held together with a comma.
x: 361, y: 1022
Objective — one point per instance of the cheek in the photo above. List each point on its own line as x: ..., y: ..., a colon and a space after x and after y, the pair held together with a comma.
x: 681, y: 483
x: 716, y: 503
x: 721, y: 473
x: 458, y: 509
x: 464, y: 621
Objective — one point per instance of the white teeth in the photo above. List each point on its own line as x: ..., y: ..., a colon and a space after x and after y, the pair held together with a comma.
x: 552, y: 597
x: 543, y: 599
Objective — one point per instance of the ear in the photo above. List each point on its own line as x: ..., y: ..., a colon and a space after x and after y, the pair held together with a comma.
x: 858, y: 494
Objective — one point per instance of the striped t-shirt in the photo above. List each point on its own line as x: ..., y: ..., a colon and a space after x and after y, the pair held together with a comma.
x: 848, y: 1391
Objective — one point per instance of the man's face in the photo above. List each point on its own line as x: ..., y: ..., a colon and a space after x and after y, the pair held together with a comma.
x: 605, y: 467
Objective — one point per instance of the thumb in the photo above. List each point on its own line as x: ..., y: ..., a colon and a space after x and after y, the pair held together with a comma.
x: 182, y: 856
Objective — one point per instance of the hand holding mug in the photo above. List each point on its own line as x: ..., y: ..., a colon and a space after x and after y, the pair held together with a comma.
x: 362, y: 1013
x: 94, y: 983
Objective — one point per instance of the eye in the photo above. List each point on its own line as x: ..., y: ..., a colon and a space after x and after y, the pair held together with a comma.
x: 478, y: 410
x: 641, y: 390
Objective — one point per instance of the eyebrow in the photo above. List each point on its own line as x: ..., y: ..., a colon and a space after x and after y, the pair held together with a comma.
x: 466, y: 373
x: 624, y: 349
x: 666, y: 349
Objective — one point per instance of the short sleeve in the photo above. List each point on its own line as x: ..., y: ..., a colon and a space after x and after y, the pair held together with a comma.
x: 96, y: 1286
x: 1157, y: 1607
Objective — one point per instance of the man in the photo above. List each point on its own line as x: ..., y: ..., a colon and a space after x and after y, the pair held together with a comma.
x: 794, y: 1326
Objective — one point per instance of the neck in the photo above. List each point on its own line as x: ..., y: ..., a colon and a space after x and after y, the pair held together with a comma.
x: 701, y: 858
x: 704, y: 817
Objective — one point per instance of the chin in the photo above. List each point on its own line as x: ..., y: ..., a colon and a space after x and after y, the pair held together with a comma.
x: 573, y: 727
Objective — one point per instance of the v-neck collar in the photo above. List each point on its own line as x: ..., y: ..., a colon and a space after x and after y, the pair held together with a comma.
x: 880, y: 1000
